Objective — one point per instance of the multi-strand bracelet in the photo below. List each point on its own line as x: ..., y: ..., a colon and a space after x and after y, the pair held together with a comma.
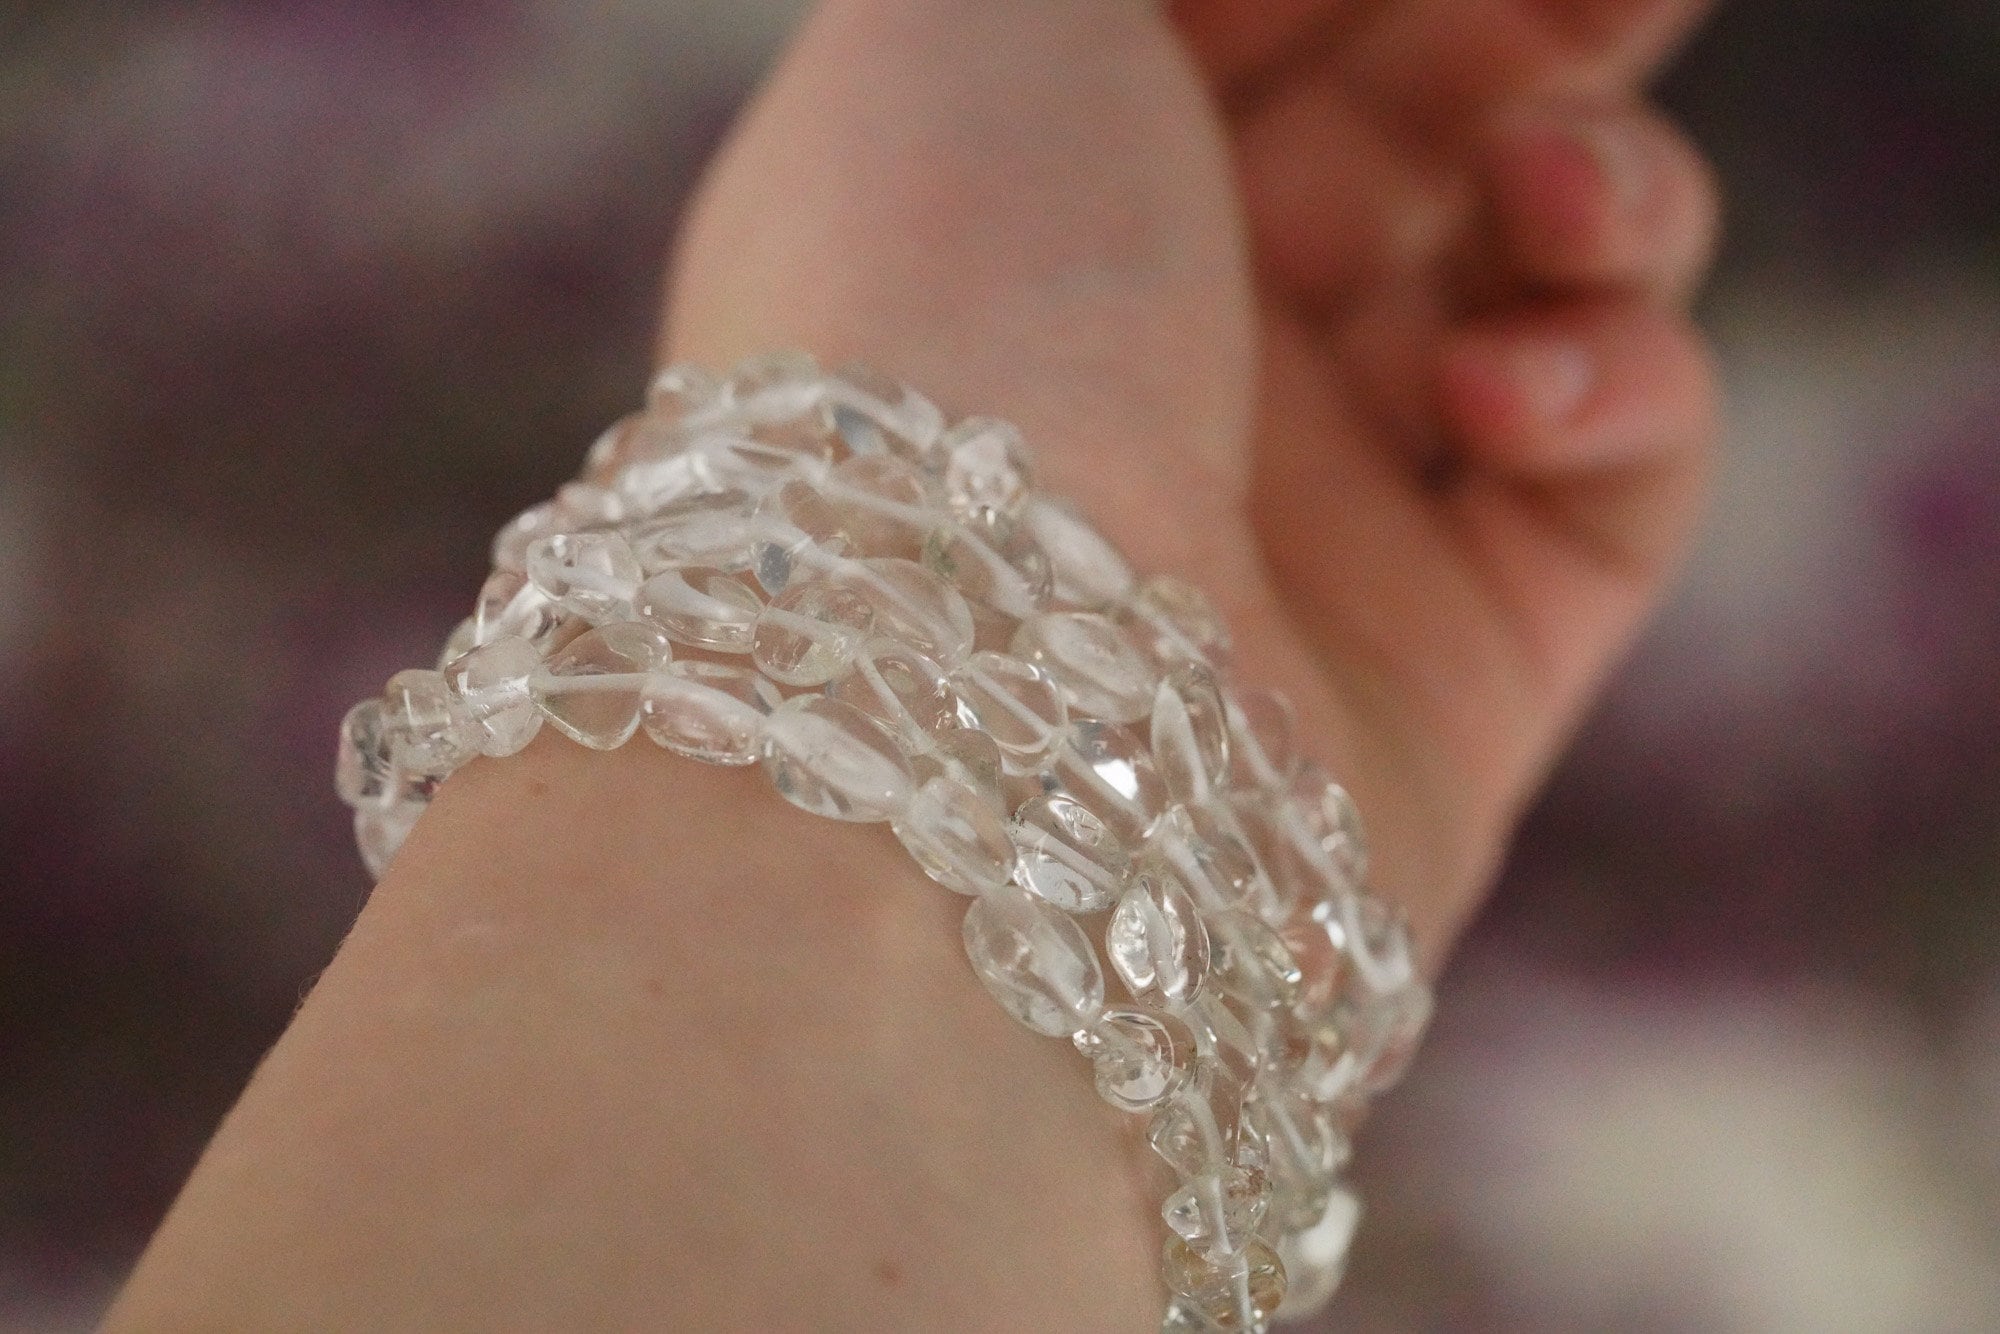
x: 819, y: 574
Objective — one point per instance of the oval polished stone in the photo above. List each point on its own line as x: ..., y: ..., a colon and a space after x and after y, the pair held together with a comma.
x: 590, y: 690
x: 1190, y: 734
x: 956, y: 836
x: 1067, y: 855
x: 592, y: 575
x: 1139, y: 1059
x: 1016, y: 703
x: 1156, y: 942
x: 1035, y: 961
x: 492, y: 683
x: 701, y: 607
x: 809, y: 634
x: 1100, y: 671
x: 912, y: 605
x: 831, y: 759
x: 708, y: 711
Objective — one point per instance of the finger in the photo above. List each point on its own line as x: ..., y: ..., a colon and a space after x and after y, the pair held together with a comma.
x: 1241, y: 42
x: 1595, y: 197
x: 1433, y: 63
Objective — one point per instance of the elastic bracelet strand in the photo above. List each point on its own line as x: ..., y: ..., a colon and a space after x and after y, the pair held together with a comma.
x: 820, y: 574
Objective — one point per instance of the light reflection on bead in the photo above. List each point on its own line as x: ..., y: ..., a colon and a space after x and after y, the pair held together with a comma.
x: 1068, y: 856
x: 592, y: 575
x: 831, y: 759
x: 1156, y: 942
x: 1035, y: 961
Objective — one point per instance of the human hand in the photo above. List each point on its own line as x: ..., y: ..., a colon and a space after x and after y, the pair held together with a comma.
x: 1370, y: 318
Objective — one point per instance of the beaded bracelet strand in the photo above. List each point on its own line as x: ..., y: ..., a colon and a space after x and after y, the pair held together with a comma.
x: 819, y: 574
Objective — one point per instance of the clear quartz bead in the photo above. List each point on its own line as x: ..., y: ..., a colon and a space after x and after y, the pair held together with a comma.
x: 1315, y: 1258
x: 1186, y: 1130
x: 879, y: 501
x: 491, y: 683
x: 684, y: 390
x: 510, y: 544
x: 985, y: 467
x: 1251, y: 962
x: 1190, y: 734
x: 913, y: 605
x: 1332, y: 819
x: 831, y: 759
x: 799, y: 535
x: 956, y: 836
x: 633, y: 440
x: 1217, y: 1214
x: 427, y: 730
x: 993, y: 562
x: 968, y: 757
x: 1067, y: 855
x: 590, y: 690
x: 592, y: 575
x: 1099, y: 670
x: 1204, y: 847
x: 363, y: 774
x: 900, y: 689
x: 1110, y: 769
x: 1175, y: 622
x: 1240, y: 1292
x: 585, y: 505
x: 809, y: 634
x: 708, y: 711
x: 1305, y: 1152
x: 1085, y: 570
x: 775, y: 386
x: 1157, y: 943
x: 1035, y: 961
x: 1185, y: 1316
x: 1139, y: 1059
x: 1016, y: 703
x: 379, y: 832
x: 873, y: 414
x: 510, y: 605
x: 711, y: 529
x: 1263, y: 738
x: 702, y: 607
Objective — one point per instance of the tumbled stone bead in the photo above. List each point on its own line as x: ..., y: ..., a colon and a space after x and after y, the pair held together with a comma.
x: 1016, y: 702
x: 462, y: 639
x: 775, y: 386
x: 511, y: 543
x: 711, y: 530
x: 1100, y: 671
x: 1190, y: 734
x: 379, y: 832
x: 1318, y: 941
x: 708, y: 711
x: 809, y: 634
x: 590, y: 690
x: 701, y: 607
x: 585, y: 505
x: 969, y: 757
x: 1315, y: 1259
x: 1157, y: 943
x: 510, y: 605
x: 1215, y: 1215
x: 879, y: 502
x: 363, y: 773
x: 1034, y: 960
x: 1331, y: 818
x: 1250, y: 962
x: 956, y: 836
x: 592, y: 575
x: 1175, y: 622
x: 684, y: 390
x: 1203, y: 845
x: 912, y: 605
x: 1240, y: 1292
x: 491, y: 682
x: 901, y: 689
x: 727, y: 461
x: 1188, y: 1134
x: 1110, y: 769
x: 874, y: 414
x: 1305, y: 1149
x: 1235, y: 1055
x: 1138, y: 1059
x: 798, y: 534
x: 634, y: 439
x: 1067, y: 855
x: 993, y: 562
x: 1085, y: 570
x: 985, y: 467
x: 831, y: 759
x: 1263, y: 738
x: 427, y: 730
x: 1185, y: 1316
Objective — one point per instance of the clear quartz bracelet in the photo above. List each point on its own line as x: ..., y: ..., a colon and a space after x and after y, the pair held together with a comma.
x: 820, y: 574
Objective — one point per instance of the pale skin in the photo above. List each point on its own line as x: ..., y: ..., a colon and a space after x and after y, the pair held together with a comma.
x: 1367, y: 316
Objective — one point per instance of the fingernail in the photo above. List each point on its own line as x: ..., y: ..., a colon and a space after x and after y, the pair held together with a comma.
x: 1552, y: 376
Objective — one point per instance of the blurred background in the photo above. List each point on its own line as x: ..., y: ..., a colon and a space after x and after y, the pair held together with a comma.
x: 298, y: 302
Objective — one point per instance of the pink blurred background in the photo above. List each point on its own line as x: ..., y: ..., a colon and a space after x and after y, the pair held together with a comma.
x: 299, y: 301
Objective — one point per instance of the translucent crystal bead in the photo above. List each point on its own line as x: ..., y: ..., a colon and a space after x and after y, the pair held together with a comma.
x: 461, y: 640
x: 1067, y: 855
x: 1305, y: 1150
x: 1203, y: 845
x: 1235, y: 1054
x: 510, y: 605
x: 637, y: 438
x: 379, y: 832
x: 775, y: 386
x: 1101, y: 673
x: 1185, y: 1316
x: 1215, y: 1215
x: 809, y: 634
x: 427, y: 730
x: 1318, y: 941
x: 654, y: 485
x: 708, y: 711
x: 756, y: 466
x: 1316, y: 1259
x: 985, y: 467
x: 1110, y: 769
x: 683, y: 390
x: 363, y: 773
x: 900, y: 689
x: 1139, y: 1059
x: 1085, y: 570
x: 1156, y: 942
x: 1331, y: 818
x: 1240, y: 1292
x: 510, y: 544
x: 798, y: 534
x: 1015, y: 702
x: 710, y: 530
x: 701, y: 606
x: 913, y: 605
x: 491, y: 682
x: 590, y: 690
x: 1250, y: 962
x: 1263, y: 738
x: 1190, y: 734
x: 968, y: 757
x: 585, y: 505
x: 1035, y: 961
x: 1175, y: 622
x: 993, y: 562
x: 880, y: 503
x: 956, y: 836
x: 873, y: 414
x: 592, y: 575
x: 1188, y: 1134
x: 831, y: 759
